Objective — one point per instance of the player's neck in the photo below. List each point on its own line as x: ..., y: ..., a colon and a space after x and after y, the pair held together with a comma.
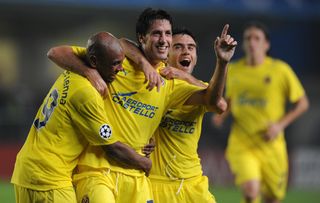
x: 255, y: 61
x: 152, y: 59
x: 155, y: 63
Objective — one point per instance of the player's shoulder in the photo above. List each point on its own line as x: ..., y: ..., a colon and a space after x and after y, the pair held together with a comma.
x: 279, y: 65
x: 128, y: 64
x: 237, y: 63
x: 236, y: 66
x: 82, y: 87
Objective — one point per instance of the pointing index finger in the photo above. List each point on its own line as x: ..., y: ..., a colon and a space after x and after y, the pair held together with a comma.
x: 225, y: 30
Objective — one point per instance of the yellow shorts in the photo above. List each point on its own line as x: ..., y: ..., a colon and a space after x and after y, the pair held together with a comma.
x: 112, y: 187
x: 61, y: 195
x: 193, y: 190
x: 268, y: 166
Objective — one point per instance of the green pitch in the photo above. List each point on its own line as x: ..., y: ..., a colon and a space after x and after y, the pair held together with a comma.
x: 222, y: 195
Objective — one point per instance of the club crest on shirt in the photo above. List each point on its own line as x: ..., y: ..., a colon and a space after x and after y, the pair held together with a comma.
x: 85, y: 199
x: 267, y: 80
x: 105, y: 131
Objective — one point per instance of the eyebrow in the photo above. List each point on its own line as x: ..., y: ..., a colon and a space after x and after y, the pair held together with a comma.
x: 180, y: 44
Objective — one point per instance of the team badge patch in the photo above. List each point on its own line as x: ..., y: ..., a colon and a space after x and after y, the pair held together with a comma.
x: 267, y: 80
x: 105, y: 131
x: 85, y: 199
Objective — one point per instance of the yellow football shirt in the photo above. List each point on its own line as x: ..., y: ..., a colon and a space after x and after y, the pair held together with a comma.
x: 71, y: 116
x: 258, y: 97
x: 135, y: 111
x: 177, y: 138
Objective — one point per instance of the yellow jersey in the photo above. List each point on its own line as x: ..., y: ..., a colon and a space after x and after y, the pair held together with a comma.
x: 135, y: 111
x: 71, y: 116
x: 175, y: 155
x: 258, y: 97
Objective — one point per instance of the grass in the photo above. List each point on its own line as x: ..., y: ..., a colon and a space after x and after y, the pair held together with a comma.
x: 6, y: 192
x: 232, y: 195
x: 222, y: 195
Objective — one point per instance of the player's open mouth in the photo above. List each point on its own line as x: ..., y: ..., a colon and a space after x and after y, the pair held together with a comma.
x: 185, y: 63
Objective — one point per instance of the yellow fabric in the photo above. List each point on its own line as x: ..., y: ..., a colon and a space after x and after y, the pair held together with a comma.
x: 177, y: 138
x: 258, y: 97
x: 270, y: 166
x: 194, y: 190
x: 103, y: 186
x: 71, y: 116
x: 61, y: 195
x: 136, y: 112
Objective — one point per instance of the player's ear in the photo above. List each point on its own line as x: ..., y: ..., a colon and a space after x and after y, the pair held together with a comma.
x: 267, y: 46
x: 142, y: 39
x: 93, y: 61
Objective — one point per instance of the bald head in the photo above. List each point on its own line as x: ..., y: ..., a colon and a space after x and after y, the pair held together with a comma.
x: 104, y: 53
x: 103, y: 43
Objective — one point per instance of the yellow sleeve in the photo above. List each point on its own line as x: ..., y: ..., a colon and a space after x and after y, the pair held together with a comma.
x: 79, y: 51
x: 293, y: 86
x: 91, y: 118
x: 181, y: 91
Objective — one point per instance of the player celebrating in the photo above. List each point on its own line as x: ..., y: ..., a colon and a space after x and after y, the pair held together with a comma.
x: 176, y: 175
x: 72, y: 116
x: 258, y: 88
x: 137, y: 111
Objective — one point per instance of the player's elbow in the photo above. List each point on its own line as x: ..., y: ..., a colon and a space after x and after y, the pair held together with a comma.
x: 52, y: 53
x: 304, y: 103
x: 218, y: 104
x: 221, y: 106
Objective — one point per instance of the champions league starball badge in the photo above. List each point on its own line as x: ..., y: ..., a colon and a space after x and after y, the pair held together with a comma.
x: 105, y: 131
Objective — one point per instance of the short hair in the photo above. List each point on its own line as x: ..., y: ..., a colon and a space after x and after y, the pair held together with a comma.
x: 258, y: 25
x: 147, y: 17
x: 183, y: 31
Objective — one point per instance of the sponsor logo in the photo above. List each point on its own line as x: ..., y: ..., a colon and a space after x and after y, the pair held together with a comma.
x: 245, y: 100
x: 180, y: 126
x: 126, y: 101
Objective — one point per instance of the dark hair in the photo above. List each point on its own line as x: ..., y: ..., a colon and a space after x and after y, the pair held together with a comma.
x: 147, y: 17
x: 183, y: 31
x: 260, y: 26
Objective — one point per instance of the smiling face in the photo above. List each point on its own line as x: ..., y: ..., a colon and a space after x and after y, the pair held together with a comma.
x: 111, y: 64
x: 157, y: 41
x: 106, y: 55
x: 183, y: 52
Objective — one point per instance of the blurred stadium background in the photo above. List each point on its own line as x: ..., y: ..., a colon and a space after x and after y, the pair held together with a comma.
x: 28, y: 28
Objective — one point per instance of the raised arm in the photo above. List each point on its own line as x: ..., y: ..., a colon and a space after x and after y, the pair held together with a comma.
x: 212, y: 96
x: 64, y: 57
x: 298, y: 109
x: 171, y: 73
x: 128, y: 157
x: 132, y: 51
